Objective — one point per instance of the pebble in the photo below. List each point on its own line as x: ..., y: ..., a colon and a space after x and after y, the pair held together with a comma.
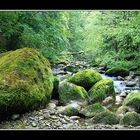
x: 63, y: 121
x: 34, y: 124
x: 40, y: 118
x: 51, y: 106
x: 60, y: 115
x: 54, y: 117
x: 46, y: 115
x: 74, y: 117
x: 66, y: 118
x: 52, y: 112
x: 123, y: 94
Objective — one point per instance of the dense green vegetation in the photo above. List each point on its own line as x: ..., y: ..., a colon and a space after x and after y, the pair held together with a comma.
x: 73, y: 63
x: 114, y: 35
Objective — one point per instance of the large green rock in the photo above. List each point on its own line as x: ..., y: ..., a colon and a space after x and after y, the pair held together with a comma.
x: 68, y: 92
x: 26, y: 81
x: 101, y: 90
x: 131, y: 118
x: 92, y: 110
x: 86, y: 78
x: 117, y: 71
x: 106, y: 117
x: 133, y: 100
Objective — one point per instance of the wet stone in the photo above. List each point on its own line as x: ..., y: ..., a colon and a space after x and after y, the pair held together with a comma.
x: 74, y: 117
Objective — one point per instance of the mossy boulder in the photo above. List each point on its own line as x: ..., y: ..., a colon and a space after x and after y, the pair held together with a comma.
x: 71, y: 68
x: 68, y: 92
x: 92, y: 110
x: 26, y: 81
x: 133, y: 100
x: 86, y: 78
x: 56, y: 82
x: 101, y: 90
x: 117, y: 71
x: 121, y: 111
x: 70, y: 109
x: 106, y: 117
x: 131, y: 118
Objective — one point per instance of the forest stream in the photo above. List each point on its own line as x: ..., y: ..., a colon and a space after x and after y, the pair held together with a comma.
x: 50, y: 118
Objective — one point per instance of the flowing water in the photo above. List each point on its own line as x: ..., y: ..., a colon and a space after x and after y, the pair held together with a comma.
x: 119, y: 85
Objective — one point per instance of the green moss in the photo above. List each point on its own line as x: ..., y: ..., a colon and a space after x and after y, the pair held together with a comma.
x: 68, y: 91
x: 92, y: 110
x: 122, y: 110
x: 101, y: 90
x: 133, y: 100
x: 72, y: 109
x: 55, y: 94
x: 26, y: 81
x: 106, y: 117
x: 117, y: 71
x: 71, y: 68
x: 131, y: 118
x: 86, y: 78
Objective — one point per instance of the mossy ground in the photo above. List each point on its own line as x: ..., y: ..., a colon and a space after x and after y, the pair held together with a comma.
x: 86, y: 78
x: 26, y: 81
x: 101, y: 90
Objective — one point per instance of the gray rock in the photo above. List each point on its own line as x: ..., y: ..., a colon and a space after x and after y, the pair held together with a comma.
x: 119, y: 100
x: 130, y: 84
x: 40, y: 118
x: 46, y: 115
x: 74, y: 117
x: 51, y: 106
x: 108, y: 100
x: 54, y: 117
x: 52, y: 112
x: 15, y: 117
x: 123, y: 94
x: 120, y: 78
x: 34, y: 124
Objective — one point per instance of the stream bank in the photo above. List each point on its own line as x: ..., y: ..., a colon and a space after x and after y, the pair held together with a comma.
x: 50, y: 118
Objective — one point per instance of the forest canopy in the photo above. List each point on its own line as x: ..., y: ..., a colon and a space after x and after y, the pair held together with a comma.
x: 109, y: 38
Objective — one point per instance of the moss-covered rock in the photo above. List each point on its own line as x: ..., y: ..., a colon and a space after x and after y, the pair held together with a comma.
x: 101, y: 90
x: 86, y: 78
x: 26, y: 81
x: 68, y: 92
x: 108, y: 101
x: 55, y: 94
x: 70, y: 109
x: 106, y: 117
x: 92, y: 110
x: 71, y: 68
x: 121, y: 111
x: 131, y: 118
x: 133, y: 100
x: 117, y: 71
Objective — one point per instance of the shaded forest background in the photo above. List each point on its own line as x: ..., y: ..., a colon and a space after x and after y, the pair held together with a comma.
x: 110, y: 38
